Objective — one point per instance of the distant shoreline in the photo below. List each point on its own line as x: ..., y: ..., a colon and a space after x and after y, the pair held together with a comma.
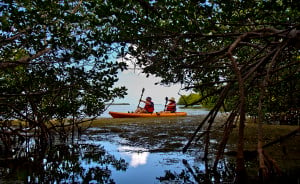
x: 117, y: 104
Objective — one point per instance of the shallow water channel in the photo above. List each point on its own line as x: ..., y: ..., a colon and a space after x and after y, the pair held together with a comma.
x: 101, y: 158
x: 143, y: 166
x: 146, y: 151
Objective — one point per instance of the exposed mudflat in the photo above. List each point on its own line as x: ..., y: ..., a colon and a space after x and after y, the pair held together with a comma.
x: 172, y: 134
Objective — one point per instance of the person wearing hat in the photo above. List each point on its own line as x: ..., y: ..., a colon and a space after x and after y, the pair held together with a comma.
x: 171, y: 107
x: 148, y: 108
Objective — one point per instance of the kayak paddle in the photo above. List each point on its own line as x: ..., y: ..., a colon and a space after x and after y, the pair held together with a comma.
x: 141, y: 97
x: 166, y: 103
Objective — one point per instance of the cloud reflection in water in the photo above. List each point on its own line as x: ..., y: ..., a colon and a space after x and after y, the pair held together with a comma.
x: 138, y: 156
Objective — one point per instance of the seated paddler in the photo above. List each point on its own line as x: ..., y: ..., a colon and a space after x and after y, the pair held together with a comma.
x: 148, y: 108
x: 171, y: 107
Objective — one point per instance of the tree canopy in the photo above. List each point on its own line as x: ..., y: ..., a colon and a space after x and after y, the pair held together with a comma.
x: 57, y: 63
x: 245, y: 53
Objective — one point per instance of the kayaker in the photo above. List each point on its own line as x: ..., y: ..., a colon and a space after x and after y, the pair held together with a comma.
x: 171, y: 107
x: 149, y: 106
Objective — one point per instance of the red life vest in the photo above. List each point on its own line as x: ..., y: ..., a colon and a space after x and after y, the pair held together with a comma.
x: 149, y: 107
x: 171, y: 107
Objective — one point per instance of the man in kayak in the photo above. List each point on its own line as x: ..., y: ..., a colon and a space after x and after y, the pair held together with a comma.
x: 171, y: 107
x: 149, y: 106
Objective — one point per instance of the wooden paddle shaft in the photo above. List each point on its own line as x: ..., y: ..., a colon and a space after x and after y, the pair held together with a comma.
x: 141, y: 97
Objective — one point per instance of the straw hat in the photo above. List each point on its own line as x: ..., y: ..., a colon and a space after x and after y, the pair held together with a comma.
x: 172, y: 99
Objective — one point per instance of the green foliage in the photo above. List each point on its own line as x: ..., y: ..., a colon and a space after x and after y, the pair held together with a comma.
x: 195, y: 43
x: 54, y: 60
x: 189, y: 99
x: 196, y: 99
x: 57, y: 61
x: 57, y: 58
x: 180, y: 41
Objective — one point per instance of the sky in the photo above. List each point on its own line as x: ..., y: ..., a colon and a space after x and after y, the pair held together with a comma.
x: 135, y: 81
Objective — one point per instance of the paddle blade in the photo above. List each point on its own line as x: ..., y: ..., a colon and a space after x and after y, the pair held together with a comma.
x: 166, y: 103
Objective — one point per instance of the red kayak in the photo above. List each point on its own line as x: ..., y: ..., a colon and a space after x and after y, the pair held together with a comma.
x: 145, y: 115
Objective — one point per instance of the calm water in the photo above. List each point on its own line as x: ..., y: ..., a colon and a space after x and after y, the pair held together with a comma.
x: 107, y: 158
x: 143, y: 166
x: 99, y: 158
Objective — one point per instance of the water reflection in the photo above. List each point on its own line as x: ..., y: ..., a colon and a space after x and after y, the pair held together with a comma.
x: 138, y: 156
x: 82, y: 163
x: 148, y: 167
x: 104, y: 158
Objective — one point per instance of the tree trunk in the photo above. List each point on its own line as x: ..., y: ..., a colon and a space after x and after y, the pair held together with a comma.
x: 240, y: 162
x: 227, y: 130
x: 241, y: 174
x: 262, y: 167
